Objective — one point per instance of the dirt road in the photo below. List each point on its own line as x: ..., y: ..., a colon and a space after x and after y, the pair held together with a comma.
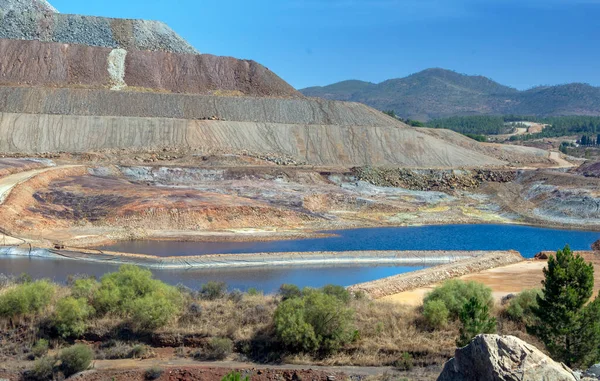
x: 8, y: 183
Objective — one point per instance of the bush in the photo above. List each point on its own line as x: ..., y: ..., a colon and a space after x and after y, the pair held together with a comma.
x: 253, y: 292
x: 42, y: 370
x: 26, y: 299
x: 436, y: 313
x: 84, y: 288
x: 153, y: 311
x: 520, y: 308
x: 337, y: 291
x: 213, y: 290
x: 315, y: 322
x: 236, y: 296
x: 40, y: 348
x: 405, y: 362
x: 153, y: 373
x: 219, y: 348
x: 75, y: 359
x: 70, y: 316
x: 456, y: 293
x: 475, y: 318
x: 289, y: 291
x: 116, y: 350
x: 234, y: 376
x: 133, y: 293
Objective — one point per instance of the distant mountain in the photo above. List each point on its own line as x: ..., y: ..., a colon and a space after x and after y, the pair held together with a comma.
x: 436, y: 93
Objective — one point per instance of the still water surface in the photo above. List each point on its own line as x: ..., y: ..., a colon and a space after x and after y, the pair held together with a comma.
x: 527, y: 240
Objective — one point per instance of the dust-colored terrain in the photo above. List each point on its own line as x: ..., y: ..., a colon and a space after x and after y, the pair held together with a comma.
x: 503, y: 280
x: 87, y: 200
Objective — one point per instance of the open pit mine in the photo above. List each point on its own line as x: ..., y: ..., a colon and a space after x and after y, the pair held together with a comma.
x: 114, y: 130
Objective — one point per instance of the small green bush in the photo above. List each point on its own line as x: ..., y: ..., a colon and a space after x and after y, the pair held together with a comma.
x: 26, y: 299
x: 40, y: 348
x: 153, y: 373
x: 42, y: 370
x: 213, y: 290
x: 219, y: 348
x: 253, y: 292
x: 139, y: 351
x: 455, y: 293
x: 405, y: 362
x: 289, y: 291
x: 436, y: 313
x: 315, y: 322
x: 520, y: 308
x: 234, y: 376
x: 70, y: 316
x: 75, y: 359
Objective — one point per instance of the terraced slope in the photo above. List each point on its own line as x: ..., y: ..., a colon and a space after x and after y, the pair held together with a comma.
x: 71, y: 83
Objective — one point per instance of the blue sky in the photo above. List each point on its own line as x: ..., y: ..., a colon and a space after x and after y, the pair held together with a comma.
x: 520, y: 43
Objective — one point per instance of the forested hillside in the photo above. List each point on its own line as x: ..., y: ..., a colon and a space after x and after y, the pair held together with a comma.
x: 588, y: 126
x: 439, y: 93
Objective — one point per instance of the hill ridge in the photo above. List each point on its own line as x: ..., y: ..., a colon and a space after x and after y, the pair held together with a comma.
x: 436, y: 92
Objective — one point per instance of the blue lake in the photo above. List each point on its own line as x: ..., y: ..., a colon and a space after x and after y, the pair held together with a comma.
x: 527, y: 240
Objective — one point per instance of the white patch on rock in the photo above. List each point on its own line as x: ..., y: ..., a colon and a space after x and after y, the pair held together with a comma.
x: 116, y: 68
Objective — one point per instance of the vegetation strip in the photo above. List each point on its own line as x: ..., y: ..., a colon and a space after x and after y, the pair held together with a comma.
x: 422, y: 278
x: 423, y: 258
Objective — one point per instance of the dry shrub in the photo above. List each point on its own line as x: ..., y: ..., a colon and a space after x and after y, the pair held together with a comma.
x: 238, y: 320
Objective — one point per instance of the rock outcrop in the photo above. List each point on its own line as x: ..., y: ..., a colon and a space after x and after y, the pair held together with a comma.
x: 503, y: 358
x: 38, y: 20
x: 596, y: 245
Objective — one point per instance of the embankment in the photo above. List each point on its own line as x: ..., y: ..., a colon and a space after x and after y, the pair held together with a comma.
x: 404, y: 282
x: 215, y: 261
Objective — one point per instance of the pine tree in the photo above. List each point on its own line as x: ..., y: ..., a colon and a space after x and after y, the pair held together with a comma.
x: 565, y: 322
x: 475, y: 318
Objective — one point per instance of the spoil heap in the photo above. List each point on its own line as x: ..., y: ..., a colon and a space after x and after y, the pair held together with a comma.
x: 78, y: 83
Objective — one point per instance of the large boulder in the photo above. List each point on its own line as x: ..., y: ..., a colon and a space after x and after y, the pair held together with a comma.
x: 596, y: 245
x: 499, y: 358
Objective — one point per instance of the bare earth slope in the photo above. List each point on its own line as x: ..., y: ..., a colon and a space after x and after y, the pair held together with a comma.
x: 35, y: 63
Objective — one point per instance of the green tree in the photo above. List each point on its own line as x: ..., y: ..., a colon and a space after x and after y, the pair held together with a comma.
x: 565, y: 324
x: 391, y: 113
x: 475, y: 318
